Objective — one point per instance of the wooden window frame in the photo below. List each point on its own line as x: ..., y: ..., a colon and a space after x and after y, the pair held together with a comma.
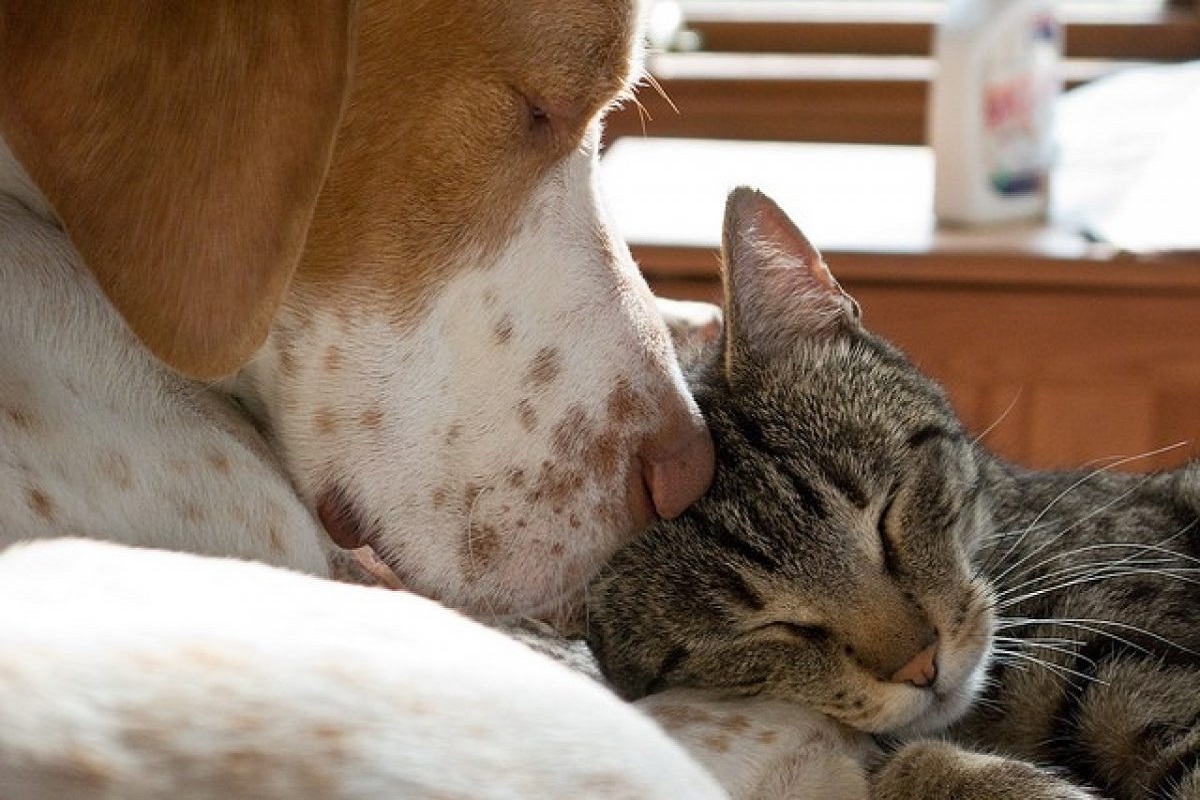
x: 775, y: 69
x: 906, y: 28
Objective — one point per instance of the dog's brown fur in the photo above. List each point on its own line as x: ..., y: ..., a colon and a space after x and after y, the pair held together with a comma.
x: 193, y: 210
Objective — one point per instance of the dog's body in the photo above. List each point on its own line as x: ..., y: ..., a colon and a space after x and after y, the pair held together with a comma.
x: 166, y: 675
x: 99, y: 440
x: 369, y: 232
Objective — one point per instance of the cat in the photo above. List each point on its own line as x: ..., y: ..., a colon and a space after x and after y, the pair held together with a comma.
x: 859, y: 553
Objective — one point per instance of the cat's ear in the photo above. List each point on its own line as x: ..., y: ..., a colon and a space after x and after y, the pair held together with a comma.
x: 777, y: 287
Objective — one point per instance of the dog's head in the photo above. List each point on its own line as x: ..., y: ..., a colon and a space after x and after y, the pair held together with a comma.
x: 381, y: 217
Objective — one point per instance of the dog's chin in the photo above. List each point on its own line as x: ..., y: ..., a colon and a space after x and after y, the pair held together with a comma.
x: 342, y: 519
x: 526, y: 590
x: 524, y: 583
x: 501, y: 552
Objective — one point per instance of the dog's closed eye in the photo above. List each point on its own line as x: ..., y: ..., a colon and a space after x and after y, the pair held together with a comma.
x: 537, y: 112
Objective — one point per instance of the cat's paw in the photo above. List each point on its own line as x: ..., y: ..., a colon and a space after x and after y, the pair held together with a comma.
x: 942, y: 771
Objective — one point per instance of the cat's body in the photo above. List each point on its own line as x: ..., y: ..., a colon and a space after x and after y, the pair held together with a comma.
x: 1114, y: 557
x: 860, y: 554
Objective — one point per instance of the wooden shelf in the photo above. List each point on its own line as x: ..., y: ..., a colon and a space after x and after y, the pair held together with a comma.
x: 907, y: 29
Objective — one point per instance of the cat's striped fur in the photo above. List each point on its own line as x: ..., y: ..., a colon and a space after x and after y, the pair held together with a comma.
x: 860, y: 553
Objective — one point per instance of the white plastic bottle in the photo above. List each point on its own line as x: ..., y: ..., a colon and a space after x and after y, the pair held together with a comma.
x: 991, y: 109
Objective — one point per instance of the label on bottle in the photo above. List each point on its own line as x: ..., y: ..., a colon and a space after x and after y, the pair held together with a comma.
x: 1020, y: 87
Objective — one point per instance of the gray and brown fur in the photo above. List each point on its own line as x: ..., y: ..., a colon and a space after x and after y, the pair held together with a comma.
x: 854, y: 525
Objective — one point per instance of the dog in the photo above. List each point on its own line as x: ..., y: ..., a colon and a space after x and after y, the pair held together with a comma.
x: 361, y: 278
x: 283, y: 282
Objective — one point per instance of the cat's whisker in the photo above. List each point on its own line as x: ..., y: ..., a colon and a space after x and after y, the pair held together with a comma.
x: 1108, y: 462
x: 1058, y: 669
x: 1001, y: 418
x: 1062, y: 578
x: 1138, y: 547
x: 1050, y: 540
x: 999, y: 536
x: 1071, y: 649
x: 1004, y: 534
x: 1087, y: 623
x: 1009, y: 602
x: 1075, y: 485
x: 1060, y: 640
x: 1067, y: 623
x: 1093, y: 568
x: 1001, y: 655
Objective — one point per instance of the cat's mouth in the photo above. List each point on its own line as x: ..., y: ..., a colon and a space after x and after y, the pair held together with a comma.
x: 936, y: 707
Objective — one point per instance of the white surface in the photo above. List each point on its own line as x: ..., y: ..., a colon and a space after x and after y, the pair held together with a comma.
x: 672, y: 191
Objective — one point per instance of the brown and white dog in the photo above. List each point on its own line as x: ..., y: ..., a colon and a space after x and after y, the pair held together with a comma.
x: 275, y: 276
x: 380, y: 219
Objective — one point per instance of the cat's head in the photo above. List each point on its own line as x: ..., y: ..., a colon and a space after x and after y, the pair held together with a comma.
x: 830, y: 562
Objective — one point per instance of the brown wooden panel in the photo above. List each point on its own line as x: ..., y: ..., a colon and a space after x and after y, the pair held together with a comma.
x: 1066, y: 375
x: 1000, y: 420
x: 1100, y: 374
x: 1091, y: 425
x: 1177, y: 414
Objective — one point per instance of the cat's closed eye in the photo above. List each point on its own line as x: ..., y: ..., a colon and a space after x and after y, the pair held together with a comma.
x: 887, y: 536
x: 794, y: 630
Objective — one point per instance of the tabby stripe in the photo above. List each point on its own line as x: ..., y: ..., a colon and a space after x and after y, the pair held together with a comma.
x: 928, y: 433
x: 805, y: 493
x: 730, y: 541
x: 1065, y: 742
x: 1181, y: 767
x: 752, y: 432
x: 741, y: 591
x: 849, y: 488
x: 669, y: 664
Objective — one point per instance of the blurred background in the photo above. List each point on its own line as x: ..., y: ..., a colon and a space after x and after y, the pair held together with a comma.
x: 1072, y: 338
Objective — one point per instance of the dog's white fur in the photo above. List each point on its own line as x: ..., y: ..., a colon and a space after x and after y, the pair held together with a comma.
x: 99, y: 440
x: 145, y: 674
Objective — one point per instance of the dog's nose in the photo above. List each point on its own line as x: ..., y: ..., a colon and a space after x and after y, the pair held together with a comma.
x: 677, y: 466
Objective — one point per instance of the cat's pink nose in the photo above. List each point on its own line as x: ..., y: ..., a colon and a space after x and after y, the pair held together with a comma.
x: 921, y: 671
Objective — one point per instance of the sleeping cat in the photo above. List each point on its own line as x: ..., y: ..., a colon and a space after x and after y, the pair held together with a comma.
x: 860, y: 554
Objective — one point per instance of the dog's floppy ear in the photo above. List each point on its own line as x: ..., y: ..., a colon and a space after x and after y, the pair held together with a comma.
x: 182, y: 145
